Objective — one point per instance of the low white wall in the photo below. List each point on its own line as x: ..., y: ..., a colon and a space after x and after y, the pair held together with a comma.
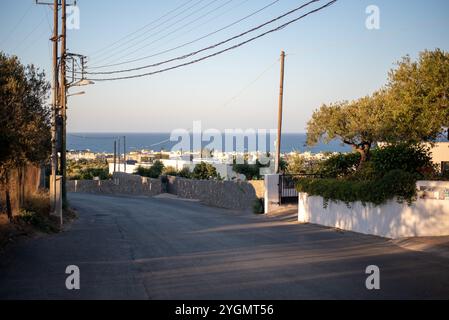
x: 271, y: 199
x: 425, y: 217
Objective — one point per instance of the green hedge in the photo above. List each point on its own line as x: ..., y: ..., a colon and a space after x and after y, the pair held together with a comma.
x: 395, y: 184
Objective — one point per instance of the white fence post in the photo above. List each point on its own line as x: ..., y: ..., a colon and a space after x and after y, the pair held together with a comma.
x: 271, y: 192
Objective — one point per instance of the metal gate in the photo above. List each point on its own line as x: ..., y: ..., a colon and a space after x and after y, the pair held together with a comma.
x: 287, y: 190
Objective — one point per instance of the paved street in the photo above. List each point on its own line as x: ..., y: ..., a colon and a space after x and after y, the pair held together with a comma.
x: 138, y: 248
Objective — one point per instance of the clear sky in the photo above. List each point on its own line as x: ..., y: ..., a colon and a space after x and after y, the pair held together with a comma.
x: 331, y: 56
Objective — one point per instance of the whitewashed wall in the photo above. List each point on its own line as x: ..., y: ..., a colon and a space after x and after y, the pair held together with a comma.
x: 271, y: 201
x: 425, y: 217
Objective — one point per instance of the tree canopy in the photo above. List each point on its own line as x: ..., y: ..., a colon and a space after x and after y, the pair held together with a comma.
x: 24, y: 115
x: 24, y: 118
x: 411, y: 108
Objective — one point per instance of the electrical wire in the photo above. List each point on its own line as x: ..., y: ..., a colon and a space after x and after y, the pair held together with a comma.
x: 20, y: 43
x: 140, y: 29
x: 171, y: 32
x: 190, y: 42
x: 19, y: 22
x: 151, y: 29
x: 207, y: 48
x: 222, y: 51
x: 229, y: 101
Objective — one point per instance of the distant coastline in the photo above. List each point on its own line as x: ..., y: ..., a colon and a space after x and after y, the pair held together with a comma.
x: 104, y: 142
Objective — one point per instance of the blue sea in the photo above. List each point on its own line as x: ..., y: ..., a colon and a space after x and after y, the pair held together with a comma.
x: 104, y: 142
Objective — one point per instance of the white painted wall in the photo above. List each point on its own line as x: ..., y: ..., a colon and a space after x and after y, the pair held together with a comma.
x: 271, y: 192
x: 130, y: 168
x: 425, y: 217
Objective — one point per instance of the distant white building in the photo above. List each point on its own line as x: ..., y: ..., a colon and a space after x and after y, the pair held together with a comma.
x: 81, y: 155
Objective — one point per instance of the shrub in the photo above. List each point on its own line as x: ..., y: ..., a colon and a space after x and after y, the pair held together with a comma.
x: 87, y: 169
x: 250, y: 171
x: 170, y: 171
x: 38, y: 203
x: 339, y: 165
x: 155, y: 171
x: 406, y: 157
x: 43, y: 223
x: 258, y: 206
x: 185, y: 173
x: 205, y: 171
x: 395, y: 184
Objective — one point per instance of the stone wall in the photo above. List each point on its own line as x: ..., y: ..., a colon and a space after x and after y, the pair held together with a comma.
x: 121, y: 184
x: 223, y: 194
x: 259, y: 187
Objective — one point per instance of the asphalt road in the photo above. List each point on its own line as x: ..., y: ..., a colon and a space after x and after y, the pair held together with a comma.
x: 136, y: 248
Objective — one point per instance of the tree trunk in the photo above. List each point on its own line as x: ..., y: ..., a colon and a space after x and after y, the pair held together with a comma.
x: 365, y: 153
x: 8, y: 205
x: 8, y: 197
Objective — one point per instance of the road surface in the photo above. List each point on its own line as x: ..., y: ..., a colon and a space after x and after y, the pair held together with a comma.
x: 139, y: 248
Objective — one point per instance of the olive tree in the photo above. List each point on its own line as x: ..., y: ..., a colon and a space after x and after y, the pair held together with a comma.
x: 357, y: 123
x: 24, y: 118
x: 412, y: 108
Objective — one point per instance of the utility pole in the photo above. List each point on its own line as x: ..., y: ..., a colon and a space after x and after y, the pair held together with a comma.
x: 54, y: 104
x: 124, y: 152
x: 119, y: 156
x: 115, y: 156
x: 281, y: 102
x: 63, y: 95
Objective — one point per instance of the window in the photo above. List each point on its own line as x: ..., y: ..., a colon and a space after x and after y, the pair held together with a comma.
x: 445, y: 167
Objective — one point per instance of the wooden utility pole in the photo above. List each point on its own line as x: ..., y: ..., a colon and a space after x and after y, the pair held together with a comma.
x: 118, y: 155
x: 54, y: 88
x: 63, y: 96
x: 115, y: 156
x: 281, y: 102
x: 124, y: 152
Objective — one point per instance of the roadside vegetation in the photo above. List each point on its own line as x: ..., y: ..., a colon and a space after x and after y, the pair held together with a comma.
x: 202, y: 171
x: 87, y: 169
x: 24, y: 121
x: 410, y: 110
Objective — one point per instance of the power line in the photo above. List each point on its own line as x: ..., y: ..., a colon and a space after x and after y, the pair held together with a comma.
x: 193, y: 41
x: 17, y: 25
x: 142, y: 28
x: 152, y: 35
x: 151, y: 29
x: 250, y: 84
x: 171, y: 32
x: 222, y: 51
x: 20, y: 43
x: 92, y: 138
x: 207, y: 48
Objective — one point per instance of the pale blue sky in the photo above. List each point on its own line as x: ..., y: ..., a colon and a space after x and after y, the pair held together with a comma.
x: 331, y: 56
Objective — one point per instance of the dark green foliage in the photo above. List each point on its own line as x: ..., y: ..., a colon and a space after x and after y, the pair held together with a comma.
x: 155, y: 171
x: 258, y: 206
x: 43, y: 223
x: 205, y: 171
x: 91, y: 173
x: 406, y: 157
x: 87, y: 169
x: 185, y: 173
x: 24, y: 119
x: 339, y: 165
x: 252, y: 171
x: 395, y: 184
x: 391, y: 172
